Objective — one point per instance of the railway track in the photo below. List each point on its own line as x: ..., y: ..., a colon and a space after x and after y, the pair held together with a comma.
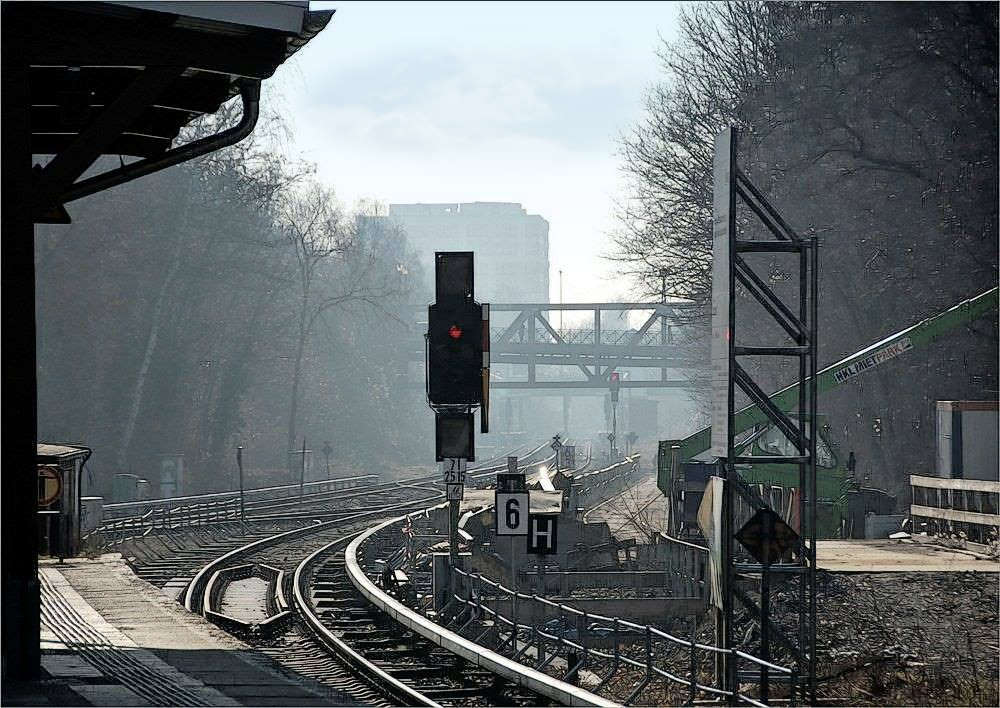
x: 407, y: 668
x: 334, y: 635
x: 340, y: 639
x: 272, y: 504
x: 171, y: 557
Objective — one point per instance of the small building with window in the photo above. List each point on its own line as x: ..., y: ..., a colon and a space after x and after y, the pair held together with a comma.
x: 60, y: 470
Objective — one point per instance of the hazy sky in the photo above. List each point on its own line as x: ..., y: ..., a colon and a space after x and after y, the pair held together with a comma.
x: 457, y: 102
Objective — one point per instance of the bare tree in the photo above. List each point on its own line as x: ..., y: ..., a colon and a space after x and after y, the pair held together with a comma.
x: 338, y: 264
x: 665, y: 237
x: 252, y: 175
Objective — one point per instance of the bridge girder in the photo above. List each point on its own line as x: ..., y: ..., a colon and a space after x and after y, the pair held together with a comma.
x: 530, y: 340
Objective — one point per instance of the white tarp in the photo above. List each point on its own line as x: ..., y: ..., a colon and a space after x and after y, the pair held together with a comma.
x: 710, y: 523
x: 721, y: 326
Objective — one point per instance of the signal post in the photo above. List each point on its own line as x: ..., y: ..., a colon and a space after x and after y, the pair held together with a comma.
x: 458, y: 375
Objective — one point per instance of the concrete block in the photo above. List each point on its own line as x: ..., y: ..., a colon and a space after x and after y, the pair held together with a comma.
x: 881, y: 525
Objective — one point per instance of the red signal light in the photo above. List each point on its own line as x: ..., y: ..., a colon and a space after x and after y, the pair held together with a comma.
x: 455, y: 332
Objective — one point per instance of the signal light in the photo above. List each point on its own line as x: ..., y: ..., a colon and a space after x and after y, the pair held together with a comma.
x: 458, y: 339
x: 455, y: 353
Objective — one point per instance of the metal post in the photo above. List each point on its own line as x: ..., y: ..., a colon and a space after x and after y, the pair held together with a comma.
x: 693, y: 690
x: 663, y: 319
x: 453, y: 511
x: 513, y: 620
x: 649, y: 655
x: 239, y: 464
x: 813, y: 364
x: 804, y: 491
x: 724, y: 617
x: 765, y: 614
x: 614, y: 431
x: 20, y: 623
x: 618, y: 648
x: 302, y: 474
x: 729, y: 662
x: 513, y: 565
x: 560, y: 302
x: 531, y: 341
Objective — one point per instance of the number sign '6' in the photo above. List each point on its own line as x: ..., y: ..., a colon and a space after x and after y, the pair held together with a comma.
x: 512, y: 514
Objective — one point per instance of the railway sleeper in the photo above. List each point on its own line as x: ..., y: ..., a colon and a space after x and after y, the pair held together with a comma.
x: 414, y: 672
x: 329, y: 603
x: 336, y: 623
x: 388, y: 654
x: 360, y: 633
x: 446, y: 691
x: 384, y: 643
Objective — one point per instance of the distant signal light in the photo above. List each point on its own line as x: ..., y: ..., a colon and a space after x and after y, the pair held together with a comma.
x: 455, y: 332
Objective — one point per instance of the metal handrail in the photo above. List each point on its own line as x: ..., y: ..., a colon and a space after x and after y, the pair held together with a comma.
x: 692, y: 646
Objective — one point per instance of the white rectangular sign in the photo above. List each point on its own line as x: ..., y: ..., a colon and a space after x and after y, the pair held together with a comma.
x: 512, y: 514
x: 722, y: 202
x: 454, y: 469
x: 887, y: 352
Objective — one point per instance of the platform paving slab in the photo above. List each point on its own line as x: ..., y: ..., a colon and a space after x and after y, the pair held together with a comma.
x: 133, y: 672
x: 115, y: 613
x: 108, y: 695
x: 898, y: 556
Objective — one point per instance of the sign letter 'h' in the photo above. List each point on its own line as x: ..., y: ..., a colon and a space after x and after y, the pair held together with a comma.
x: 542, y: 534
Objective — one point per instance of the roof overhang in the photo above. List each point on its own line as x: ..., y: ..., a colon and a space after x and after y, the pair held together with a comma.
x: 123, y: 78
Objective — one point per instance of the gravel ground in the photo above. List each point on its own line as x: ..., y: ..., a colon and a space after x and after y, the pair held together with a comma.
x: 914, y: 639
x: 909, y: 638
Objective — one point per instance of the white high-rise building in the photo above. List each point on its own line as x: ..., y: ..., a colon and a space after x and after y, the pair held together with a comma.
x: 511, y: 246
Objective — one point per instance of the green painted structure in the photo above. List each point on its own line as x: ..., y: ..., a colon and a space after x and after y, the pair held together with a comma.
x: 754, y: 431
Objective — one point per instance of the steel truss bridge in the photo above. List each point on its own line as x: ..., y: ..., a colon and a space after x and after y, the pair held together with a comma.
x: 582, y: 358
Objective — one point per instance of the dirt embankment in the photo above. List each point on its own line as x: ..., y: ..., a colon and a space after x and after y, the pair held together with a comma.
x: 909, y: 638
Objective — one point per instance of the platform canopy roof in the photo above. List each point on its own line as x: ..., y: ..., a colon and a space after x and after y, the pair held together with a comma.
x: 123, y: 78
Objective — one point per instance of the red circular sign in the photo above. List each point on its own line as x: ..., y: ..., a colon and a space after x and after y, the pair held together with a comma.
x: 49, y: 484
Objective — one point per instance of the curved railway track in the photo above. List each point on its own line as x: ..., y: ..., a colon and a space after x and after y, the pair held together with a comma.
x: 407, y: 668
x: 334, y: 636
x: 277, y: 504
x: 337, y: 637
x: 340, y: 639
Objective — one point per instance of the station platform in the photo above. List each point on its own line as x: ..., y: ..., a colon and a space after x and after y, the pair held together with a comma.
x: 111, y: 639
x: 911, y: 555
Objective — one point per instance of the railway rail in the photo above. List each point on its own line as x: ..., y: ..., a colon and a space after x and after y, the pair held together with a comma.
x: 409, y: 668
x: 334, y: 633
x: 255, y: 494
x: 324, y: 499
x: 279, y: 579
x: 364, y: 654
